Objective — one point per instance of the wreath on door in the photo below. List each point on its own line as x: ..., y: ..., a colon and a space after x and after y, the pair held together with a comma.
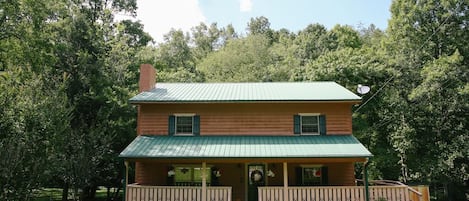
x: 256, y: 176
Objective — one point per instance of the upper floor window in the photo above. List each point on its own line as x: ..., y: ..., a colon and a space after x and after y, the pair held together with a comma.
x: 184, y: 124
x: 309, y: 124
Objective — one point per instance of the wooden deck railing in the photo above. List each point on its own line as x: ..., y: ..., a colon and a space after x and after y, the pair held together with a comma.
x: 338, y: 193
x: 176, y: 193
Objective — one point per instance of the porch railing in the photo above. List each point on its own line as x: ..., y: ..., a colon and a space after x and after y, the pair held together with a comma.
x: 337, y: 193
x: 176, y: 193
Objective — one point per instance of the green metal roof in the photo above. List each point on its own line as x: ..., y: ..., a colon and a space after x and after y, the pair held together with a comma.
x: 240, y: 92
x: 333, y: 146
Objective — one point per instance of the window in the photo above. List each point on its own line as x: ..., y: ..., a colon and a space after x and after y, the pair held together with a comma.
x: 190, y: 175
x: 312, y: 175
x: 309, y: 124
x: 184, y: 124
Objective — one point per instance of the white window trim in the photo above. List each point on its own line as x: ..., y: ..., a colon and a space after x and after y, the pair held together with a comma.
x: 309, y: 115
x: 184, y: 114
x: 176, y: 124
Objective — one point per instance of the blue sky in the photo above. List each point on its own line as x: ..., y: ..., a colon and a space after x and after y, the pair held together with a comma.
x: 159, y: 16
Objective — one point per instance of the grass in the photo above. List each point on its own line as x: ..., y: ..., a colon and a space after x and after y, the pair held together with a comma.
x: 55, y: 194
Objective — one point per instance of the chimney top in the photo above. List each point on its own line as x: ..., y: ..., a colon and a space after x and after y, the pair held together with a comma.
x: 147, y: 78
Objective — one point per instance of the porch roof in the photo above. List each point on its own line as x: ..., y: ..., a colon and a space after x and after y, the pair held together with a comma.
x: 332, y: 146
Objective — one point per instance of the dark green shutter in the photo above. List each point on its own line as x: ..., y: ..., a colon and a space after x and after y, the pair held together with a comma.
x: 296, y: 124
x: 196, y: 125
x: 299, y: 176
x: 171, y: 125
x: 324, y: 176
x: 322, y: 124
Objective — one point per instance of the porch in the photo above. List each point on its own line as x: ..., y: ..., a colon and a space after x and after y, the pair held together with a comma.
x: 270, y: 193
x: 242, y: 168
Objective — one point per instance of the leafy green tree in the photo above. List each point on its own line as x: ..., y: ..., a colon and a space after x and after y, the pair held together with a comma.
x: 227, y: 33
x: 30, y: 123
x: 441, y: 154
x: 284, y: 61
x: 345, y: 36
x: 136, y: 37
x: 175, y: 51
x: 72, y: 51
x: 260, y: 26
x: 428, y: 45
x: 371, y: 37
x: 312, y: 42
x: 205, y: 39
x: 244, y: 59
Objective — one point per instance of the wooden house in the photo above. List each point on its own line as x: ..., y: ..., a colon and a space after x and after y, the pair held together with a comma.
x: 243, y: 141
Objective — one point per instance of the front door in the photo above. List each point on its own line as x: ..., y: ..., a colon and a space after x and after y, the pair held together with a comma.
x: 256, y: 177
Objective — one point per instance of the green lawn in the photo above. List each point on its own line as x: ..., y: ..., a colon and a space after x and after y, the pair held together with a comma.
x: 55, y: 194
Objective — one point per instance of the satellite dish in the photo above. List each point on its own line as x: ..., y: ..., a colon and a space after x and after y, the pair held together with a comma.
x: 361, y: 89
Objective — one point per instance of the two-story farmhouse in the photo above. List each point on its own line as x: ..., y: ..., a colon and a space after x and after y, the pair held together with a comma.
x: 242, y: 141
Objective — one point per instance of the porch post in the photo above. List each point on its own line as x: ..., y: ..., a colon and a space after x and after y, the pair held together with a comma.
x: 126, y: 178
x: 285, y: 181
x: 367, y: 193
x: 204, y: 181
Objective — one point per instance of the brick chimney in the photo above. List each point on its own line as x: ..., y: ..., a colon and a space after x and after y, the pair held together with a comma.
x: 147, y: 78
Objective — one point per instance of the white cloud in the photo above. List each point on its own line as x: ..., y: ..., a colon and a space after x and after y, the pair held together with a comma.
x: 159, y: 16
x: 245, y: 5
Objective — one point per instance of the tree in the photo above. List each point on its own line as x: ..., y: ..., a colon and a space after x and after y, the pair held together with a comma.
x: 228, y: 33
x: 443, y: 148
x: 30, y: 123
x: 260, y: 26
x: 240, y: 60
x: 175, y: 51
x: 428, y: 45
x: 345, y: 36
x: 312, y: 42
x: 62, y: 50
x: 205, y: 39
x: 136, y: 37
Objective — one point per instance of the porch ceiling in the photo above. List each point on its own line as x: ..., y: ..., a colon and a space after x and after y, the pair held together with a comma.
x: 332, y: 146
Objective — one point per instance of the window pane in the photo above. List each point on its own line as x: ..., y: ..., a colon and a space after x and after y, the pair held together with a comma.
x: 309, y: 119
x: 310, y: 129
x: 184, y: 124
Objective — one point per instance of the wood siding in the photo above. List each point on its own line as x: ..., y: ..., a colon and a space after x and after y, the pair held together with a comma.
x: 154, y: 174
x: 244, y: 118
x: 341, y: 174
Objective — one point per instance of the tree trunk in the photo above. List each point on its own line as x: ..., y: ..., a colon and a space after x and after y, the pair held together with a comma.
x: 65, y: 192
x: 108, y: 193
x: 88, y: 193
